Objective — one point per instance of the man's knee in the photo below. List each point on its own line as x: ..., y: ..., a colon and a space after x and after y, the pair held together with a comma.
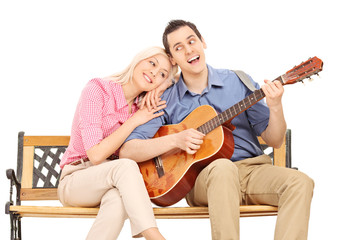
x: 223, y: 169
x: 302, y: 183
x: 308, y: 182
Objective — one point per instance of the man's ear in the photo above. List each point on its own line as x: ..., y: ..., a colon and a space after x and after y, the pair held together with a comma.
x: 204, y: 43
x: 172, y: 60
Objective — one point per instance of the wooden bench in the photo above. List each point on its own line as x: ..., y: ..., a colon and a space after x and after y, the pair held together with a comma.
x: 38, y: 172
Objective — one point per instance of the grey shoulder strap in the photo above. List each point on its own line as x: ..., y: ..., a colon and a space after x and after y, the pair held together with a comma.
x: 245, y: 79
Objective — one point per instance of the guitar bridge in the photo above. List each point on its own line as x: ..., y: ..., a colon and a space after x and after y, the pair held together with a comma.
x: 159, y: 166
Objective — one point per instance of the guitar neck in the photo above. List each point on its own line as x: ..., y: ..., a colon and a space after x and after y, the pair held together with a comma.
x: 233, y: 111
x: 294, y: 75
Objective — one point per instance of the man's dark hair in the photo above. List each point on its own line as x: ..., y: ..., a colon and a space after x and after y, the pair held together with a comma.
x: 174, y: 25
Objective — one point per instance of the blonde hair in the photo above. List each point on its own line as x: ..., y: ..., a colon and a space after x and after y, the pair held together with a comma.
x: 126, y: 75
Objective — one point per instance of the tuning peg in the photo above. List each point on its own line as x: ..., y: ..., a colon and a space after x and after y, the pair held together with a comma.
x: 310, y: 79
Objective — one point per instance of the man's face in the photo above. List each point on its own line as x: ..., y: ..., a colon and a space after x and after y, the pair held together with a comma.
x: 187, y: 50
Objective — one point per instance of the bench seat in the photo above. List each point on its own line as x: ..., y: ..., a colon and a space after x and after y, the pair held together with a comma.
x: 160, y: 213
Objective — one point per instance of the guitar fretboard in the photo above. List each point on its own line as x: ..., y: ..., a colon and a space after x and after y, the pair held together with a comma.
x: 296, y: 74
x: 232, y: 112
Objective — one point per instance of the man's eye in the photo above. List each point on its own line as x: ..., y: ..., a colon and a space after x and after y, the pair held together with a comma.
x: 192, y: 41
x: 163, y: 75
x: 178, y: 48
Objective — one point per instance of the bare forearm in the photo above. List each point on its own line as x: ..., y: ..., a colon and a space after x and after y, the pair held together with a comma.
x: 141, y: 150
x: 275, y: 131
x: 110, y: 144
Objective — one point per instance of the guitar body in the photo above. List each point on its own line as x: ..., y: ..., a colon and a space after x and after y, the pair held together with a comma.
x: 181, y: 169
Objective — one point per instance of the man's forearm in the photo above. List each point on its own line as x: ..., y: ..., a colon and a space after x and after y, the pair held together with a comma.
x: 141, y: 150
x: 275, y: 131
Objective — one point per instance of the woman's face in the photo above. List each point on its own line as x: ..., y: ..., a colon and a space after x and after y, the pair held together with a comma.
x: 151, y: 72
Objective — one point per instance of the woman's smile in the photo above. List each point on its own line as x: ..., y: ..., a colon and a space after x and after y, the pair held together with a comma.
x: 147, y: 78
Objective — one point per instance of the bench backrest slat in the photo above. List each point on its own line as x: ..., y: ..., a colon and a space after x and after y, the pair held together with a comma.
x: 46, y: 140
x: 28, y: 167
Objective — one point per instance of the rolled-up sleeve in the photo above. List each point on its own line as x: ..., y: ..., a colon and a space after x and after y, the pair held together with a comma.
x: 258, y: 115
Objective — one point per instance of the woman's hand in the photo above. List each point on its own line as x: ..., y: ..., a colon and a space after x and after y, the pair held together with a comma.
x: 144, y: 115
x: 152, y: 98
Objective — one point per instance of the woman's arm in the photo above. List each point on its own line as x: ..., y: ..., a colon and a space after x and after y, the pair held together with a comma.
x: 99, y: 152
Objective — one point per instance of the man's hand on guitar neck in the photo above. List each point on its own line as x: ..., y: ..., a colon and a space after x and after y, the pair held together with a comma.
x: 273, y: 92
x: 275, y: 131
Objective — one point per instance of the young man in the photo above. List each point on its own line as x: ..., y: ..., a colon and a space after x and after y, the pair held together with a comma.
x: 249, y: 178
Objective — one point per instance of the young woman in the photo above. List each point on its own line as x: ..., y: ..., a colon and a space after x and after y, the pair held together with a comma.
x: 92, y: 175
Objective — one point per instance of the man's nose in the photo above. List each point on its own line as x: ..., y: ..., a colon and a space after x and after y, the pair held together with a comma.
x: 188, y: 49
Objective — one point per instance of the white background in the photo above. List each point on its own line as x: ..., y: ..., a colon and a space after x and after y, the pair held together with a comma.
x: 50, y: 49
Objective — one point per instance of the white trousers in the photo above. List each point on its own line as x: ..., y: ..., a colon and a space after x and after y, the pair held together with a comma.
x: 117, y: 187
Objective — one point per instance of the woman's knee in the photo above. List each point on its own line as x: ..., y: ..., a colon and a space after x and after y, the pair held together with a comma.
x: 124, y: 170
x: 129, y: 163
x: 125, y: 163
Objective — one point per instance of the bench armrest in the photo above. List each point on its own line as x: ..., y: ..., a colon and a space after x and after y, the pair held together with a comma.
x: 10, y: 174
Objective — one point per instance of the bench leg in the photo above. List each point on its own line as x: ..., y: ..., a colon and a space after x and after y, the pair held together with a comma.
x: 15, y: 222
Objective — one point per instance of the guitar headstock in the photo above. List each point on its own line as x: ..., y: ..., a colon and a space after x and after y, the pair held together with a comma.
x: 304, y: 70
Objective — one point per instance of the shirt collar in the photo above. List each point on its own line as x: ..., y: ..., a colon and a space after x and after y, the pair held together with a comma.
x: 136, y: 101
x: 213, y: 80
x: 120, y: 96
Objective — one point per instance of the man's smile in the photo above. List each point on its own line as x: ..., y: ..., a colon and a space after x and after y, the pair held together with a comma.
x: 194, y: 59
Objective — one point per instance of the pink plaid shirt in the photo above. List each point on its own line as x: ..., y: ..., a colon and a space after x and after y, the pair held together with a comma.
x: 101, y: 110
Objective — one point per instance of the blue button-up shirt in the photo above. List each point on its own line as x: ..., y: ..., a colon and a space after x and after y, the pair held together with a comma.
x: 224, y: 90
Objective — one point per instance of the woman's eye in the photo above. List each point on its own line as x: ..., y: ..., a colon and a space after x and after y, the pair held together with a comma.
x: 178, y: 48
x: 163, y: 75
x: 192, y: 41
x: 152, y: 63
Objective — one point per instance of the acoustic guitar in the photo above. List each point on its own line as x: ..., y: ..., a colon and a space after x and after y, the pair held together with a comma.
x: 169, y: 177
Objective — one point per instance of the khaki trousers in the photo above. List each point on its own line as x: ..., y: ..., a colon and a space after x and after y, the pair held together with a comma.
x: 224, y: 185
x: 117, y: 187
